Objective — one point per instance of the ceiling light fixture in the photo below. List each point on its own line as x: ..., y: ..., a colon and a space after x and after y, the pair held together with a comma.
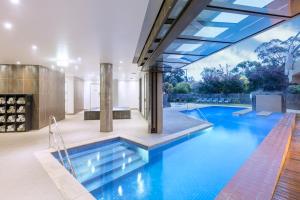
x: 76, y: 67
x: 7, y: 25
x: 18, y: 63
x: 52, y: 66
x: 16, y: 2
x: 34, y: 47
x: 121, y: 62
x: 79, y: 59
x: 250, y: 3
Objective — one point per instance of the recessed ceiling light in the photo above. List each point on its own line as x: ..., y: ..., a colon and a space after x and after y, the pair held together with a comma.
x: 62, y: 70
x: 174, y: 56
x: 15, y: 2
x: 226, y: 17
x: 121, y: 62
x: 79, y: 59
x: 250, y: 3
x: 188, y: 47
x: 18, y: 63
x: 210, y: 31
x: 34, y: 47
x: 76, y: 67
x: 7, y: 25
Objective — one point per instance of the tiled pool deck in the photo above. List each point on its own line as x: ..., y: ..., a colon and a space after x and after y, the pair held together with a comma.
x: 258, y: 177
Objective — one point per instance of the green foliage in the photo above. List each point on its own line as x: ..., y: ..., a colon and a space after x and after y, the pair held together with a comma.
x: 294, y: 89
x: 182, y: 88
x: 219, y: 80
x: 175, y: 76
x: 168, y: 88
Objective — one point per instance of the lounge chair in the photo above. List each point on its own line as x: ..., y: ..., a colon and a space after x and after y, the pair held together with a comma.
x: 227, y: 101
x: 204, y: 100
x: 209, y: 100
x: 221, y: 100
x: 215, y: 100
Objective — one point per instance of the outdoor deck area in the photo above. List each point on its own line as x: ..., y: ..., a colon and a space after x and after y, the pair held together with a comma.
x: 288, y: 186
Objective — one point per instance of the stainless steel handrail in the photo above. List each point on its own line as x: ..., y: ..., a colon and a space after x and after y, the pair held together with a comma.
x: 58, y: 144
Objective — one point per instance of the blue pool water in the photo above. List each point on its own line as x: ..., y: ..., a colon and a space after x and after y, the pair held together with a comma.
x: 197, y: 166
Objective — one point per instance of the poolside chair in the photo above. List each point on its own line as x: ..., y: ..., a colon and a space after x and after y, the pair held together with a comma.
x: 221, y: 100
x: 215, y: 100
x: 227, y: 100
x: 209, y: 100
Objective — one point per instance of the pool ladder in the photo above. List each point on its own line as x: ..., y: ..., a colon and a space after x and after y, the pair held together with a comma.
x: 59, y: 145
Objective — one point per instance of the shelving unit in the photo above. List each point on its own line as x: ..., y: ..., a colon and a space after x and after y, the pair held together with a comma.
x: 15, y: 112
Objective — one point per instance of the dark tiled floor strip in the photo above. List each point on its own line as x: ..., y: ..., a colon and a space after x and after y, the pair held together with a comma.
x: 288, y: 186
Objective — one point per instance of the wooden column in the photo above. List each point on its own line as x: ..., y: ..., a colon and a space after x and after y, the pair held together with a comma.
x: 155, y: 102
x: 106, y: 97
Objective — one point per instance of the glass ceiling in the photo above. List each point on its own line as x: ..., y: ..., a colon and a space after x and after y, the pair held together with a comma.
x: 221, y: 24
x: 227, y: 26
x: 274, y: 7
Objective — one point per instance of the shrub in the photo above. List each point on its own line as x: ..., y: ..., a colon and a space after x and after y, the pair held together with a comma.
x: 294, y: 89
x: 182, y: 88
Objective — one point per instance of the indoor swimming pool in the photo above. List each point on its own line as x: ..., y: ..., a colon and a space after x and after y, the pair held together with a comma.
x: 196, y: 166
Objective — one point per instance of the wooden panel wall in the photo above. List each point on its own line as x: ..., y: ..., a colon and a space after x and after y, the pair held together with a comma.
x: 47, y: 87
x: 78, y: 95
x: 51, y: 95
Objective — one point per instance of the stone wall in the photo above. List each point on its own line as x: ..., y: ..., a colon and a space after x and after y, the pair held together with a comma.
x: 293, y: 101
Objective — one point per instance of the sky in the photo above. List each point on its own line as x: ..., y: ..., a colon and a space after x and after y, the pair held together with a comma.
x: 244, y: 50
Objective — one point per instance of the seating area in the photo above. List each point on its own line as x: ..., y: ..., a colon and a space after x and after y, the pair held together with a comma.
x: 217, y: 100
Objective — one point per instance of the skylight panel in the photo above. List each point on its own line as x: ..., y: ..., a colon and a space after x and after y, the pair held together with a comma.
x: 188, y: 47
x: 251, y: 3
x: 225, y: 17
x: 210, y: 31
x: 174, y: 56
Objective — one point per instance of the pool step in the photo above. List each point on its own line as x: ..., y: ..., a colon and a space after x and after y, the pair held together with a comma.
x: 93, y: 157
x: 114, y: 157
x: 91, y: 151
x: 95, y: 184
x: 106, y: 164
x: 105, y: 167
x: 104, y: 170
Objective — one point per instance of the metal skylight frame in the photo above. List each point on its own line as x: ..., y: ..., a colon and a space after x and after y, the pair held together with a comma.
x: 192, y: 9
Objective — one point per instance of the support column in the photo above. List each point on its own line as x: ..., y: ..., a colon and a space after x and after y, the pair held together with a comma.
x: 106, y: 98
x: 155, y: 86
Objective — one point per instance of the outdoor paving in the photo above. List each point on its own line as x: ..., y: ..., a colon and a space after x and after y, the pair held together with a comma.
x: 288, y: 186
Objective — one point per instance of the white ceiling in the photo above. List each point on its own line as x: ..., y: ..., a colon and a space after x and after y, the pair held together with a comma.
x: 94, y: 30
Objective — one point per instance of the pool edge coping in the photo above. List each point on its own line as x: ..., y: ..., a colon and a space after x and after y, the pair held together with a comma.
x: 69, y: 187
